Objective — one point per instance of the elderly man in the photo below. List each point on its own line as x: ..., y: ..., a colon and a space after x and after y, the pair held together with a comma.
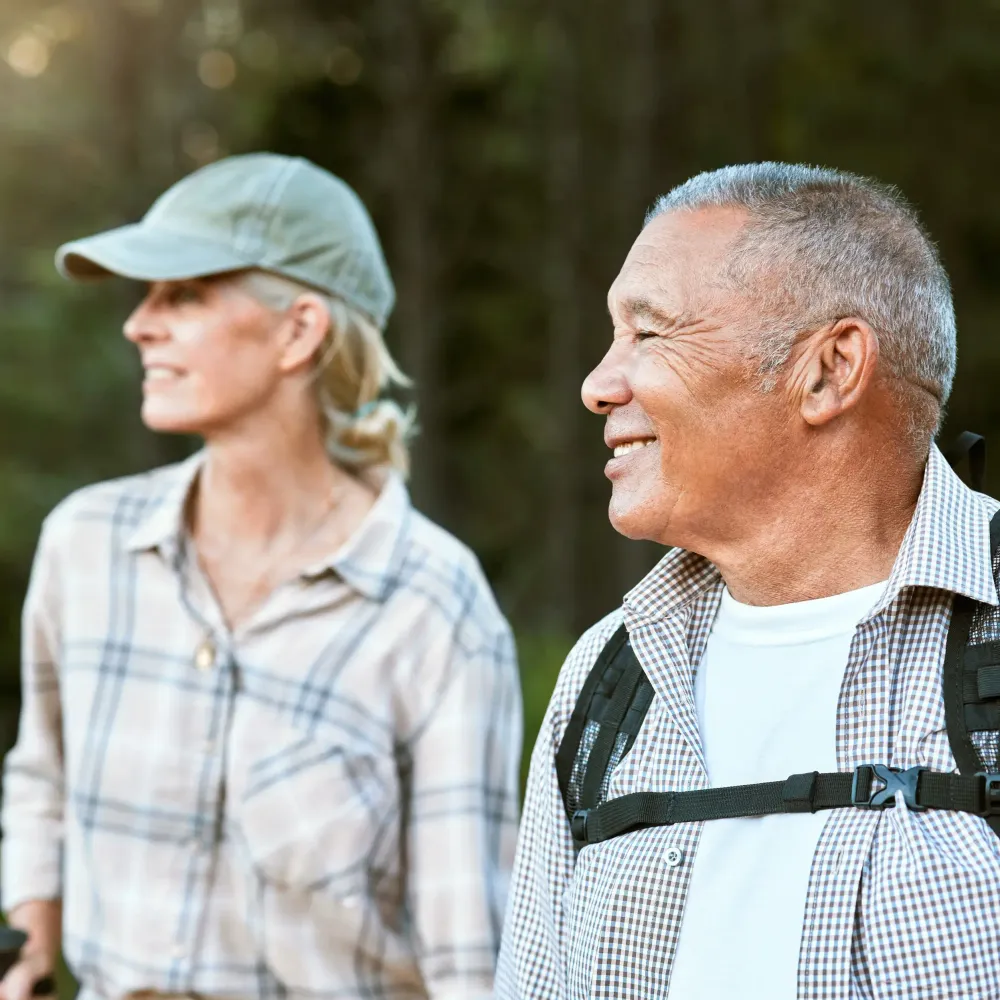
x: 784, y: 343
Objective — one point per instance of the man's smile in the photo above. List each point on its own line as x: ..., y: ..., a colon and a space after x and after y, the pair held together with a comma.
x: 626, y: 446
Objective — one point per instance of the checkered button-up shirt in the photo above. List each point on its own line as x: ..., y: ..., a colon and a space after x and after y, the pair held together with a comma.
x: 900, y: 904
x: 322, y: 803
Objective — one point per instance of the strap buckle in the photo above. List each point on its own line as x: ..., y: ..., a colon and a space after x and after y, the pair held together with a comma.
x: 578, y: 825
x: 865, y: 796
x: 990, y: 794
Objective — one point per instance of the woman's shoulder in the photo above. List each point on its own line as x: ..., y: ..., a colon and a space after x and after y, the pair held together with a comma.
x: 448, y: 575
x: 121, y: 502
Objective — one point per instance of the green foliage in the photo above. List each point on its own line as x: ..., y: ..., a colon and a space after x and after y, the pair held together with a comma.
x: 540, y: 655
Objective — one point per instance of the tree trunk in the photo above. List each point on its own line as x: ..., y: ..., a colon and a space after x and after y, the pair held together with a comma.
x: 564, y: 197
x: 409, y: 175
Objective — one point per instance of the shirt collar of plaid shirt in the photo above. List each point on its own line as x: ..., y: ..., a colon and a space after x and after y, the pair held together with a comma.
x: 947, y: 546
x: 368, y: 561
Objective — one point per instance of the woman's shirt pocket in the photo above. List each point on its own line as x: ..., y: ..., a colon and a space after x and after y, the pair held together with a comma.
x: 317, y: 821
x: 308, y: 811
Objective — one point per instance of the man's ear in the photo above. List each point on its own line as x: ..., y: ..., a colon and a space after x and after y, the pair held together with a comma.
x: 835, y: 369
x: 304, y: 328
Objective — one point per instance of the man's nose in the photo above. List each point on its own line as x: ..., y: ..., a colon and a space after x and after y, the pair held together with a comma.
x: 607, y: 385
x: 143, y: 325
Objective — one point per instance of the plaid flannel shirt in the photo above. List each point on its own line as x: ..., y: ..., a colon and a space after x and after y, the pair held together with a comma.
x: 322, y: 803
x: 900, y: 904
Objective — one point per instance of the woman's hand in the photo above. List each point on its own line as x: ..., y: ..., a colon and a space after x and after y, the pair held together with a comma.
x: 19, y: 983
x: 41, y: 920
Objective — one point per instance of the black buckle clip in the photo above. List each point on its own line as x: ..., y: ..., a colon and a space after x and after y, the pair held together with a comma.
x: 894, y: 780
x: 578, y: 825
x: 990, y: 794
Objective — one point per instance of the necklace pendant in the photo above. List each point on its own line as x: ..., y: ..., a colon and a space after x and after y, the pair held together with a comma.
x: 204, y: 655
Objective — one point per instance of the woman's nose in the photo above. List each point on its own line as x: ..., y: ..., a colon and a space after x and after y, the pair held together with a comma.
x: 143, y: 324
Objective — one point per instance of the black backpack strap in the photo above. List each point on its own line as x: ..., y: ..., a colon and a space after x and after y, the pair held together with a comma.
x: 870, y: 786
x: 570, y: 745
x: 973, y: 447
x: 963, y: 611
x: 612, y: 704
x: 607, y: 735
x: 971, y: 685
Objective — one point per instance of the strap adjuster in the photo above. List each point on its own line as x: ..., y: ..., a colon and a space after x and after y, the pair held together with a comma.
x: 578, y: 825
x: 864, y: 795
x: 990, y: 794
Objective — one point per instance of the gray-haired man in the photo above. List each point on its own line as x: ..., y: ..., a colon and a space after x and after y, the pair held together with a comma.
x: 784, y: 342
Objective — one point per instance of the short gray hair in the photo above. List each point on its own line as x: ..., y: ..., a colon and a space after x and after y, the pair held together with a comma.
x: 824, y: 244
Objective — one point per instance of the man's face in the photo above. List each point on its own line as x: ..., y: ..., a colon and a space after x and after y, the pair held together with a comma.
x: 692, y: 433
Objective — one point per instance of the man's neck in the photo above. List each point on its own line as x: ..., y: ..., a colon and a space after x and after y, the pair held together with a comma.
x: 826, y: 537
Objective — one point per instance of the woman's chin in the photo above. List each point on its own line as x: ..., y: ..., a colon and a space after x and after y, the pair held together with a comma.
x: 165, y: 420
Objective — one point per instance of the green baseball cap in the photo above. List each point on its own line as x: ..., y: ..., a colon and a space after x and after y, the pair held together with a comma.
x: 260, y: 210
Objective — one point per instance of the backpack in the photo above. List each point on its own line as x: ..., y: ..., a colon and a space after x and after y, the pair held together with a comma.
x: 617, y: 694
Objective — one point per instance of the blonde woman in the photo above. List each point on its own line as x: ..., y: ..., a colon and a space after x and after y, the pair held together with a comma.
x: 271, y: 723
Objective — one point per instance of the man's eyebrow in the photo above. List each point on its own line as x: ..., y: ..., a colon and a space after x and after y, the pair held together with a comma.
x: 643, y: 310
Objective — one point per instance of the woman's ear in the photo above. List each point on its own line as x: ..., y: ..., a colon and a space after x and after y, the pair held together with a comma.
x: 837, y: 367
x: 304, y: 329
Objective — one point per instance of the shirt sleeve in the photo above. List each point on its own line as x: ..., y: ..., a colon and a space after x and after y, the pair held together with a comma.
x: 463, y: 802
x: 32, y: 816
x: 532, y: 964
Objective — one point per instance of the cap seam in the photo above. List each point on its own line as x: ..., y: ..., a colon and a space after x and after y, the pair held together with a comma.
x: 278, y: 188
x: 268, y: 203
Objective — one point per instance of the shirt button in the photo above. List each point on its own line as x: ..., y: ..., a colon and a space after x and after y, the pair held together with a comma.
x: 204, y: 656
x: 673, y: 857
x: 351, y: 902
x: 178, y: 952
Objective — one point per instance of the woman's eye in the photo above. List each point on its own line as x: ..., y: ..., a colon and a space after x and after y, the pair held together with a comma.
x: 185, y: 294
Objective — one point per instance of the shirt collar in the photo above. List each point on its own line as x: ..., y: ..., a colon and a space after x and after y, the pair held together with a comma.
x: 161, y: 524
x: 369, y: 561
x: 947, y: 546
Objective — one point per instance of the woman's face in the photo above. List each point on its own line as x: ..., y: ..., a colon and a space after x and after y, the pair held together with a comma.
x: 212, y: 355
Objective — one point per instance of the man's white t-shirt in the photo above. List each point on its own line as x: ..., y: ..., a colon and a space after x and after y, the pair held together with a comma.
x: 766, y: 693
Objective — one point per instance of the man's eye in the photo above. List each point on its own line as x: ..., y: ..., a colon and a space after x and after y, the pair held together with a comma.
x: 643, y: 335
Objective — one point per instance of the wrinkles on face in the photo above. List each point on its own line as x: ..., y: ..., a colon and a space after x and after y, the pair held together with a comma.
x: 692, y: 356
x: 681, y: 368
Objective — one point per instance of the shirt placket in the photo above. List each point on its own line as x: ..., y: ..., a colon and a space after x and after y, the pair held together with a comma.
x: 862, y: 738
x: 656, y: 866
x: 214, y: 664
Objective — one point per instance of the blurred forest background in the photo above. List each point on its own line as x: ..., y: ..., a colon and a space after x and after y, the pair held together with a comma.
x: 508, y: 152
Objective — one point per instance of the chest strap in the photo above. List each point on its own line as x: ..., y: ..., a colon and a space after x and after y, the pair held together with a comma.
x: 870, y: 786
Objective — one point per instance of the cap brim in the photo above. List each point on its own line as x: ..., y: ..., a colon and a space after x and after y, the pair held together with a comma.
x: 145, y: 253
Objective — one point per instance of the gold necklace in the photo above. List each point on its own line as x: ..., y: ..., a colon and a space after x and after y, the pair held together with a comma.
x: 205, y: 654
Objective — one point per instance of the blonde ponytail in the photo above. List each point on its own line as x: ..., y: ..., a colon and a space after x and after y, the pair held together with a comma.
x: 353, y: 368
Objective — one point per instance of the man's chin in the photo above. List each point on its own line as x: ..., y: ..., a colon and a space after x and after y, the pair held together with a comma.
x: 631, y: 521
x: 644, y: 517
